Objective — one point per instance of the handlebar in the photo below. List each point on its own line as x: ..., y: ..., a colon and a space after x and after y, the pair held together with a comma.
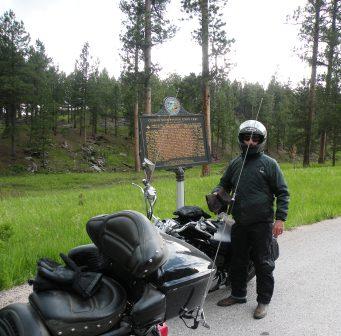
x: 150, y: 197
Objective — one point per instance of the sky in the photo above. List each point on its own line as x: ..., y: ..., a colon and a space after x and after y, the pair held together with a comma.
x: 264, y: 41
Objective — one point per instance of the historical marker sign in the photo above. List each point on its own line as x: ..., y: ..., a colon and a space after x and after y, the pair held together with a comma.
x: 174, y: 140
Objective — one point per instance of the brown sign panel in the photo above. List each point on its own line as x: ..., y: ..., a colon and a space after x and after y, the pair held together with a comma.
x: 174, y: 141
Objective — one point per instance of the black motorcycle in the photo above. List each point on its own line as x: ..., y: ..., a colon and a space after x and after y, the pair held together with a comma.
x: 146, y: 278
x: 148, y: 275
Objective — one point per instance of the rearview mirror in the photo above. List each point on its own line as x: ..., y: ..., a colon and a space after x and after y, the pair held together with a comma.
x: 148, y: 167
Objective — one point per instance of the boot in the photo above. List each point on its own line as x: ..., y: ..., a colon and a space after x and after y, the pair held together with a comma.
x: 229, y: 301
x: 260, y: 311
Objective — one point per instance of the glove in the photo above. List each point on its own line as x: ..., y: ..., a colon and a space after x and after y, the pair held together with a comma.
x: 52, y: 275
x: 218, y: 201
x: 51, y: 270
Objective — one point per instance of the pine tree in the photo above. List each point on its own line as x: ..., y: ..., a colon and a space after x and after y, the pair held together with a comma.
x: 82, y: 76
x: 310, y: 32
x: 331, y: 36
x: 145, y: 26
x: 211, y: 32
x: 14, y: 46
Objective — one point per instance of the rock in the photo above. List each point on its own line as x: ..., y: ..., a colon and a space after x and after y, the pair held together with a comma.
x: 32, y: 168
x: 64, y: 144
x: 96, y: 168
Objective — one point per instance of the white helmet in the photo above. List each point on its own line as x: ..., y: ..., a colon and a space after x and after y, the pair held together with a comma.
x: 252, y: 127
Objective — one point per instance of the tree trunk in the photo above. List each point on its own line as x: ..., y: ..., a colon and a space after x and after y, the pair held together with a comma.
x: 73, y: 117
x: 218, y: 135
x: 43, y: 140
x: 147, y: 58
x: 233, y: 141
x: 136, y: 137
x: 205, y: 80
x: 80, y: 121
x: 116, y: 122
x: 312, y: 89
x: 31, y: 126
x: 323, y: 141
x: 278, y: 140
x: 7, y: 119
x: 334, y: 146
x: 94, y: 123
x: 55, y: 119
x: 332, y: 43
x: 136, y: 115
x: 84, y: 121
x: 12, y: 112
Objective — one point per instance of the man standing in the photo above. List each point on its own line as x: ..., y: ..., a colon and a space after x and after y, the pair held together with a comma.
x: 256, y: 180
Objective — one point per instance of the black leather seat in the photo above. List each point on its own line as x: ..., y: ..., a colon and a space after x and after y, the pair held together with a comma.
x: 130, y: 241
x: 66, y: 313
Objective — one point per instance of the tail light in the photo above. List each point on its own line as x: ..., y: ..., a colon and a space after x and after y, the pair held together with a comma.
x: 163, y: 329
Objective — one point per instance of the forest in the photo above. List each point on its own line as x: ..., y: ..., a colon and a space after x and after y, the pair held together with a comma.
x: 42, y: 108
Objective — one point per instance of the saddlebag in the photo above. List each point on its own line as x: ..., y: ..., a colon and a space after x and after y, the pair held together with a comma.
x: 20, y: 319
x: 150, y: 309
x: 184, y: 277
x: 66, y: 313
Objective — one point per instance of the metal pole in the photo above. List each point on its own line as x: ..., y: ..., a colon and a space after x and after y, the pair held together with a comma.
x: 180, y: 187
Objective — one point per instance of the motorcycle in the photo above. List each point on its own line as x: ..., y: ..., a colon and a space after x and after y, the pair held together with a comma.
x: 151, y: 274
x: 146, y: 278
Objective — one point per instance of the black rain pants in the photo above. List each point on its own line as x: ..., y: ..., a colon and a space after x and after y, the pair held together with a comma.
x: 253, y: 241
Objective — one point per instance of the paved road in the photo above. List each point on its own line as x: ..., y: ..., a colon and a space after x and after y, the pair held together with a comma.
x: 307, y: 298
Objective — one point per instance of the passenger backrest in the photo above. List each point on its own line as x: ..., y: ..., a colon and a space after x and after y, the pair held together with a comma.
x: 130, y: 240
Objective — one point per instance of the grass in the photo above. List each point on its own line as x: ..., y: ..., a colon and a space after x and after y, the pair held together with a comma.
x: 43, y: 215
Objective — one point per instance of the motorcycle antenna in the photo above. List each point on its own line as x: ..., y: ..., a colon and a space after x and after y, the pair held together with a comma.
x: 200, y: 312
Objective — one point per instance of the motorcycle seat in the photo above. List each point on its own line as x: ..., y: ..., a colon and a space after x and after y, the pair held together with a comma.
x: 66, y: 313
x: 131, y: 242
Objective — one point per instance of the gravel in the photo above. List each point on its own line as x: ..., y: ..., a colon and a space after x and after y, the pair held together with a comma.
x: 16, y: 294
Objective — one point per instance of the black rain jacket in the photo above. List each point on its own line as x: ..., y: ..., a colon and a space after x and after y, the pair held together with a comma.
x: 260, y: 182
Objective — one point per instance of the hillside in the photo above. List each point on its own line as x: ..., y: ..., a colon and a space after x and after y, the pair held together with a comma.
x: 68, y: 152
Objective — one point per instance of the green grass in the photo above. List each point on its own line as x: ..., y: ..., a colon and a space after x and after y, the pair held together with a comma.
x: 42, y: 215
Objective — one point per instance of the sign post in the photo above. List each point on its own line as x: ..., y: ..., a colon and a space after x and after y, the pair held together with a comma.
x: 174, y: 139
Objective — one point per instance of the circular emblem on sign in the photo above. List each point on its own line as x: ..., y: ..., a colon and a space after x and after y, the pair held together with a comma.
x: 171, y: 105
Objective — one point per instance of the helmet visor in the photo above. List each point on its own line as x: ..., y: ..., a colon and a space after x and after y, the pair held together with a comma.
x: 254, y: 137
